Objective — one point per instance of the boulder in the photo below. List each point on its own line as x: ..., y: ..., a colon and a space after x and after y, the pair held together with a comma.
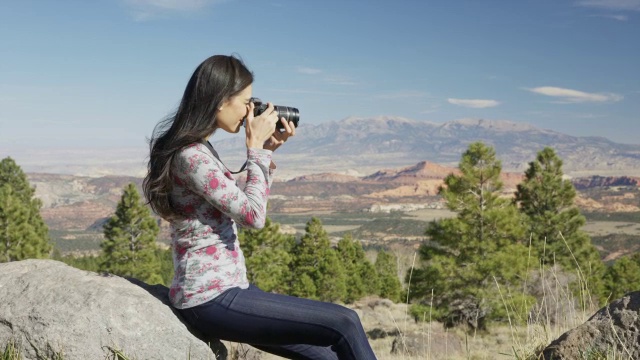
x: 50, y: 308
x: 613, y: 330
x: 377, y: 333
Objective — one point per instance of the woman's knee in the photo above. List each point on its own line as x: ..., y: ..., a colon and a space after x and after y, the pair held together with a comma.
x: 349, y: 320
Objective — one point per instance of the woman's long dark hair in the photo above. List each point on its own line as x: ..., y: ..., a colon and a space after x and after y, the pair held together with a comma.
x: 215, y: 80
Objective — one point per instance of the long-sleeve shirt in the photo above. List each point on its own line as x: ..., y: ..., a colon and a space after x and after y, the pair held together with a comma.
x: 206, y: 254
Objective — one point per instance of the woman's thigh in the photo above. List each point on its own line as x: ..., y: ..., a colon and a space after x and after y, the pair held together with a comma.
x: 256, y: 317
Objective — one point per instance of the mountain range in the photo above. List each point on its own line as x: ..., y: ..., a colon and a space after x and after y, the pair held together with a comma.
x: 359, y: 146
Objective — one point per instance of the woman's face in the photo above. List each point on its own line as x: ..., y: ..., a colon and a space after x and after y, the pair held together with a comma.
x: 231, y: 114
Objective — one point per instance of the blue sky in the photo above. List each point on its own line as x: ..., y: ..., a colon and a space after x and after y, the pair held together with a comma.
x: 79, y: 74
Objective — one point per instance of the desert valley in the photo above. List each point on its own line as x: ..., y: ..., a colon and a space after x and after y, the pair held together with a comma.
x: 376, y: 178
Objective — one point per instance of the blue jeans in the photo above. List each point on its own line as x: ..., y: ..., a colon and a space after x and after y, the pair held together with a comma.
x: 287, y: 326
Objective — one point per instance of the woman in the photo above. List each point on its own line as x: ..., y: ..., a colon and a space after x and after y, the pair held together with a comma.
x: 191, y: 188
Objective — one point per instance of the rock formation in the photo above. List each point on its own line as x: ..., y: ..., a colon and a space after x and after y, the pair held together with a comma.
x: 612, y: 332
x: 604, y: 181
x: 50, y: 309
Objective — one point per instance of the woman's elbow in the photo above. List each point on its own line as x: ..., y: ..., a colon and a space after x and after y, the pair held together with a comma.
x: 254, y: 220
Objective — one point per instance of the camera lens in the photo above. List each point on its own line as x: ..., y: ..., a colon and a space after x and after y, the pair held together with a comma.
x: 288, y: 113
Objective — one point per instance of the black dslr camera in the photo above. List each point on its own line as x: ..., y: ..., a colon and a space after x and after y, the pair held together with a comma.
x: 288, y: 113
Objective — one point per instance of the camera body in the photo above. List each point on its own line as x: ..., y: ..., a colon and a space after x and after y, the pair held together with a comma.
x: 288, y: 113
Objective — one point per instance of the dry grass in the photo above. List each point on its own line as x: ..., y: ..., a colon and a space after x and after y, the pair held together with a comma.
x: 502, y: 341
x: 559, y: 310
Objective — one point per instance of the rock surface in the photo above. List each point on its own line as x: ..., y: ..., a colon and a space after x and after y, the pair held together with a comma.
x: 50, y: 308
x: 614, y: 329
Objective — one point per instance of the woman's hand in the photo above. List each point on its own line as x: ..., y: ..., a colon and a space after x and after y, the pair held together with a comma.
x: 259, y: 129
x: 279, y: 137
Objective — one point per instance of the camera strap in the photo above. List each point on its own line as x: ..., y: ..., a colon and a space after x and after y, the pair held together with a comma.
x: 215, y: 154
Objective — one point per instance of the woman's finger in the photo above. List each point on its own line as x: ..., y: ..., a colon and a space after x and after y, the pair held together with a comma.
x: 285, y: 125
x: 252, y: 107
x: 274, y: 143
x: 293, y: 128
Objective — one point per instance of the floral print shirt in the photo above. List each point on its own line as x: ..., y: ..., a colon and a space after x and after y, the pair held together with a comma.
x: 206, y: 253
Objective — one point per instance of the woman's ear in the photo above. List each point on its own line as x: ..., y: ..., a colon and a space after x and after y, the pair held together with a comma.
x: 222, y: 104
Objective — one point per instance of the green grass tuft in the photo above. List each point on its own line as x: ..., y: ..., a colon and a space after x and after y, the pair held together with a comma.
x: 11, y: 351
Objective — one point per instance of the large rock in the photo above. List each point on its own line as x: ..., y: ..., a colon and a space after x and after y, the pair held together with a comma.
x: 51, y: 308
x: 614, y: 329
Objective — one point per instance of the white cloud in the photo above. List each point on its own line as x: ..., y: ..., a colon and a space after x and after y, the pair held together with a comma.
x: 403, y: 95
x: 170, y: 4
x: 575, y: 96
x: 612, y: 16
x: 616, y: 17
x: 327, y: 78
x: 143, y: 10
x: 315, y: 92
x: 339, y: 80
x: 588, y: 116
x: 430, y: 109
x: 474, y: 103
x: 307, y: 70
x: 633, y: 5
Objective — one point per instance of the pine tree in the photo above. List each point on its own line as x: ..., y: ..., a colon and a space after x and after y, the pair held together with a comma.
x: 332, y: 284
x: 11, y: 174
x: 302, y: 285
x: 88, y: 263
x: 23, y: 233
x: 466, y: 256
x: 369, y: 274
x: 362, y: 278
x: 622, y: 277
x: 317, y: 263
x: 129, y: 245
x: 165, y: 258
x: 268, y: 256
x: 554, y: 221
x: 387, y: 270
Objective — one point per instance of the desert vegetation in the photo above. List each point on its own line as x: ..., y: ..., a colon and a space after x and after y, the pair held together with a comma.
x: 505, y: 274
